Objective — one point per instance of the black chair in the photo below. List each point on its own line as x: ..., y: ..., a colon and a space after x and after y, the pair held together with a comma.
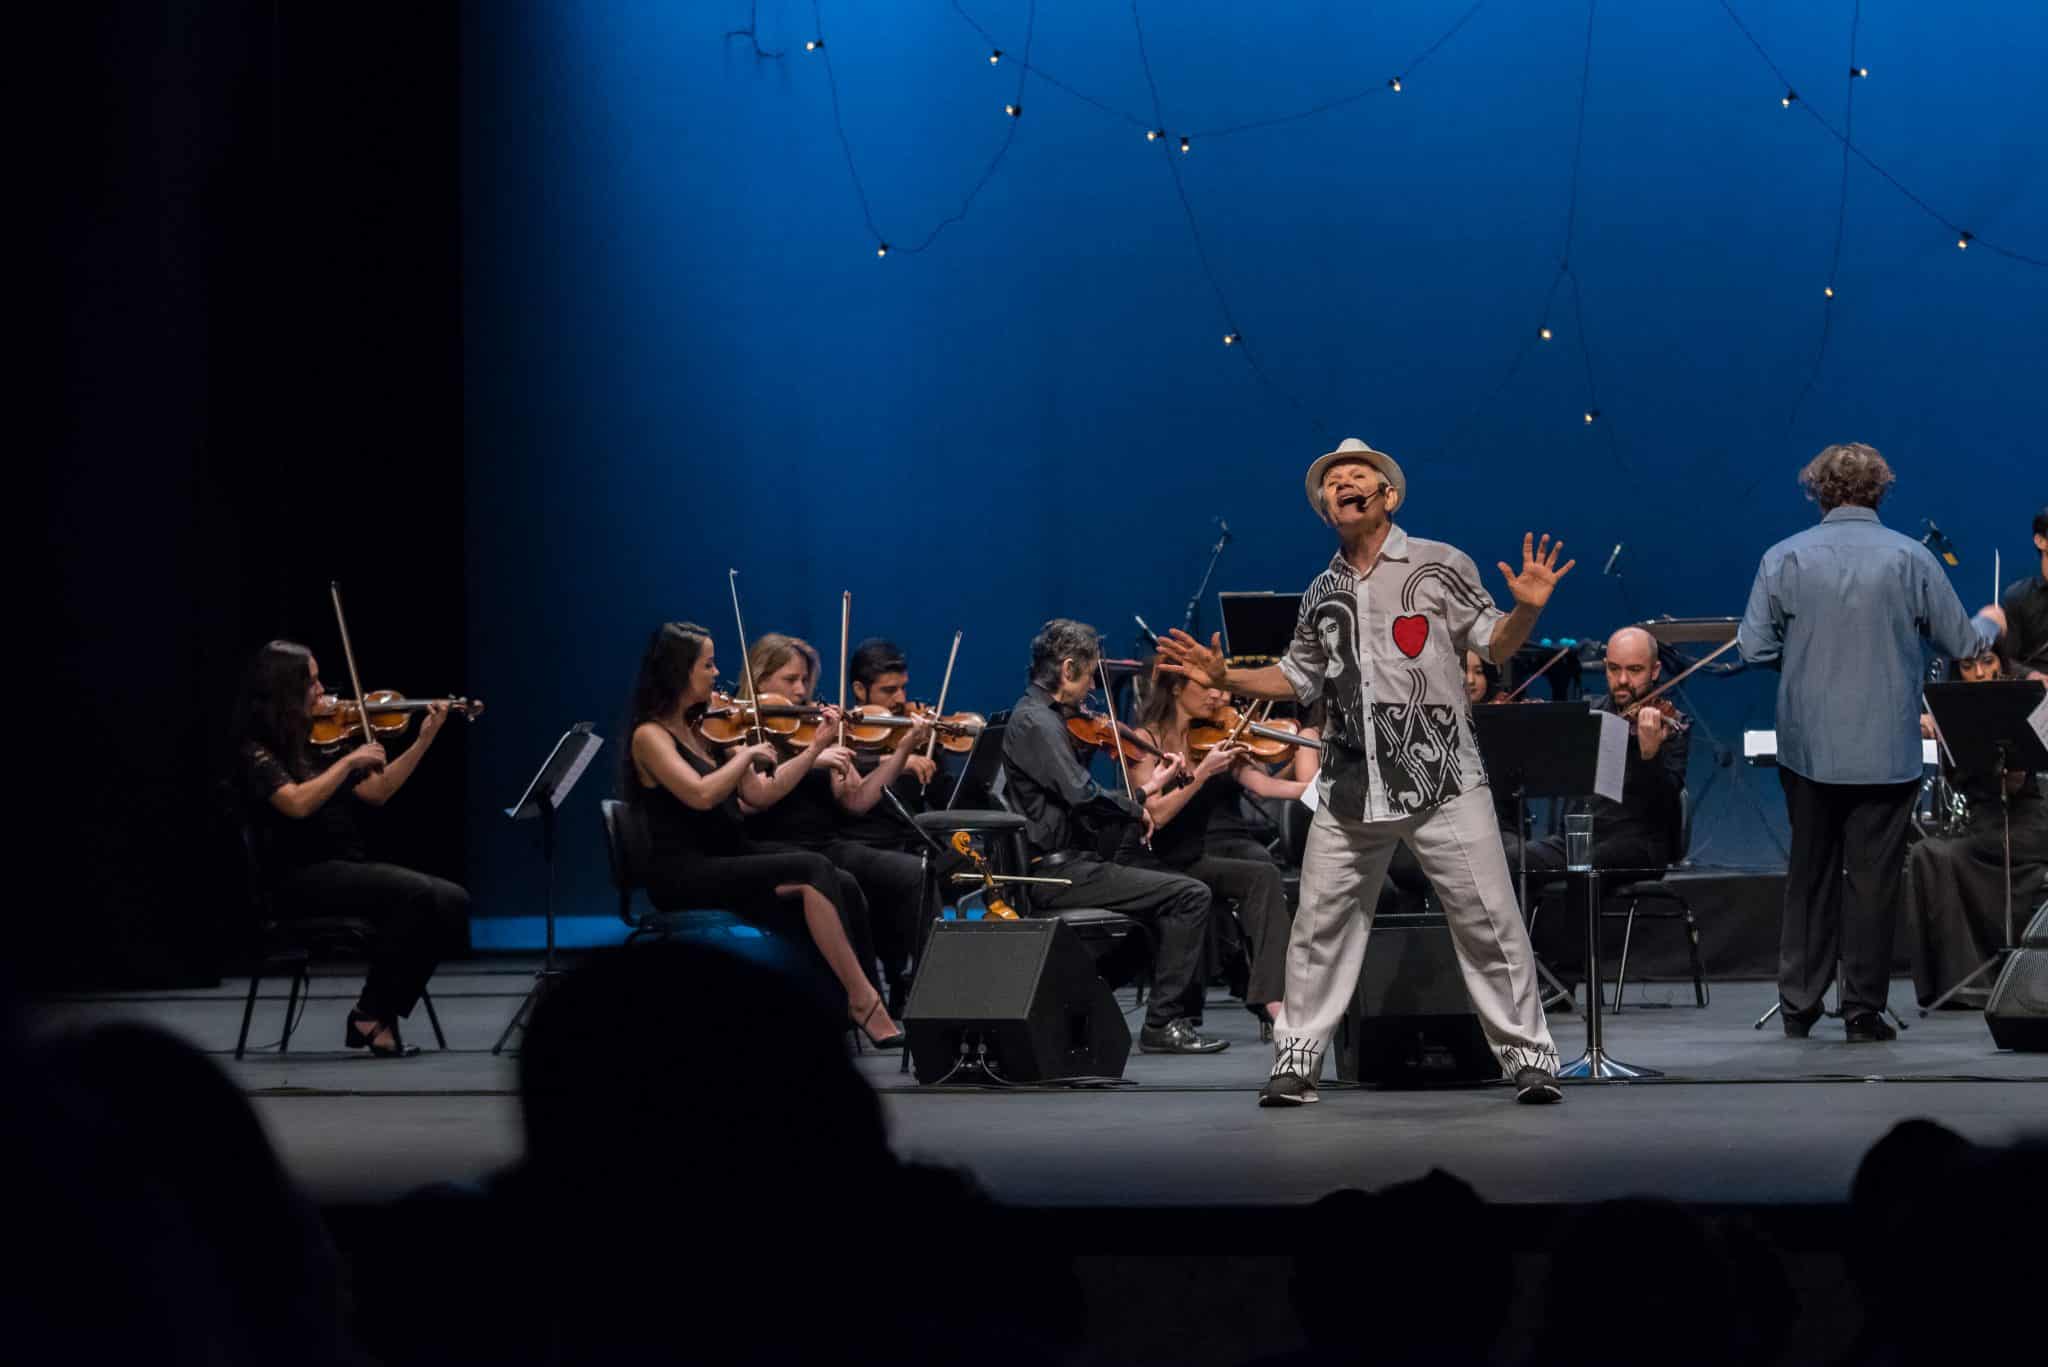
x: 1670, y: 905
x: 291, y: 946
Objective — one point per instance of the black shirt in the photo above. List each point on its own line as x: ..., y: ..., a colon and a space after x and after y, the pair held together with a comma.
x: 808, y: 815
x: 1181, y: 841
x: 678, y: 831
x: 1063, y: 808
x: 2025, y: 646
x: 1649, y: 805
x: 293, y: 843
x: 881, y: 826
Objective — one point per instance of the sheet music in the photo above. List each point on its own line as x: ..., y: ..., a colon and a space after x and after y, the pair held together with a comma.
x: 1613, y: 766
x: 576, y: 768
x: 578, y: 762
x: 2038, y: 719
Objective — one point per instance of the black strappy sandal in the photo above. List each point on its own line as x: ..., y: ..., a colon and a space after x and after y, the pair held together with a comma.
x: 355, y: 1037
x: 894, y: 1041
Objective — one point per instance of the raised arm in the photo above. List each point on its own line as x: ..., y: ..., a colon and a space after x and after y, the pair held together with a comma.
x: 1182, y: 654
x: 857, y: 794
x: 1531, y: 589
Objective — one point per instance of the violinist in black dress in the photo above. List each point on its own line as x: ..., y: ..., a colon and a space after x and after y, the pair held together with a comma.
x: 698, y: 850
x: 314, y: 859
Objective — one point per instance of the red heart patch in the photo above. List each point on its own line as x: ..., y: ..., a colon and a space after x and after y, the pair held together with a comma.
x: 1410, y: 633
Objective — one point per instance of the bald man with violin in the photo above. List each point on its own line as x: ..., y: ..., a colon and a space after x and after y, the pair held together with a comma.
x: 1642, y: 830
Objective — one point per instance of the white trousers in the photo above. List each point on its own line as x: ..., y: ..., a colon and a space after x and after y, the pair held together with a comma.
x: 1458, y: 845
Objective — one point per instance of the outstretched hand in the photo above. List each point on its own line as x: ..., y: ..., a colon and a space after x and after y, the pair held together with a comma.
x: 1540, y: 571
x: 1182, y: 654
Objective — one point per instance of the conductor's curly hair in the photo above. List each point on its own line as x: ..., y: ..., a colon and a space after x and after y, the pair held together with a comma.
x: 1847, y: 475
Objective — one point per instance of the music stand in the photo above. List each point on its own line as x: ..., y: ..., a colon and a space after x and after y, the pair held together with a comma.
x: 543, y: 799
x: 1563, y: 749
x: 1988, y: 728
x: 1258, y: 626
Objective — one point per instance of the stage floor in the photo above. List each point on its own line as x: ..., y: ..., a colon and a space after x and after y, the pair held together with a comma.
x: 1745, y: 1116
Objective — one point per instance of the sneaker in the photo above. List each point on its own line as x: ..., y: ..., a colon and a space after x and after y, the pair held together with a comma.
x: 1868, y: 1027
x: 1178, y: 1037
x: 1288, y: 1089
x: 1537, y: 1087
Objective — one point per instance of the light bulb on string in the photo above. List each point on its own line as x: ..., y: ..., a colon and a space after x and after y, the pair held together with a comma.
x: 1789, y: 98
x: 1395, y: 85
x: 1857, y: 73
x: 1963, y: 240
x: 1013, y: 110
x: 1544, y: 333
x: 1183, y: 144
x: 995, y: 56
x: 1230, y: 339
x: 1154, y: 134
x: 1591, y: 414
x: 881, y: 249
x: 1828, y: 290
x: 813, y: 44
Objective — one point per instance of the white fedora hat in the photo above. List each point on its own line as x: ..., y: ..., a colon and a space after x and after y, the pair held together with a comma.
x: 1351, y: 448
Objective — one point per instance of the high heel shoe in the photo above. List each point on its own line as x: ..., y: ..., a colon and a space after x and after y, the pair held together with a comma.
x: 355, y: 1037
x: 894, y: 1041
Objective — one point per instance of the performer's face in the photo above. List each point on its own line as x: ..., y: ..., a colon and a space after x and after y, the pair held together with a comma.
x: 1631, y: 667
x: 1355, y: 496
x: 891, y: 690
x: 313, y: 689
x: 1982, y: 669
x: 1475, y: 677
x: 703, y: 677
x: 792, y: 680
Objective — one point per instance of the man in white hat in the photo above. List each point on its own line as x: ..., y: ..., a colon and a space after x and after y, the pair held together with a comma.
x: 1381, y: 640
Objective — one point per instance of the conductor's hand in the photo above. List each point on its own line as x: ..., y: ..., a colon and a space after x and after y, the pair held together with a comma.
x: 1182, y: 654
x: 368, y: 756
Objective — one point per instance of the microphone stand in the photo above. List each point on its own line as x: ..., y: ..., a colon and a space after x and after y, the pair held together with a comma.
x: 1193, y: 618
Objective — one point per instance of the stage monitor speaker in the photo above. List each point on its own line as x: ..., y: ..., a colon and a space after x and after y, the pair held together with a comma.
x: 2018, y: 1009
x: 1411, y: 1022
x: 1027, y: 991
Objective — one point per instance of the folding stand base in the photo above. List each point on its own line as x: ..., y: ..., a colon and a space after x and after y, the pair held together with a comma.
x: 541, y: 981
x: 1990, y: 965
x: 1595, y: 1066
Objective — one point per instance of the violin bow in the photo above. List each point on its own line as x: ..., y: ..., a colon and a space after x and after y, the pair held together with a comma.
x: 845, y: 621
x: 1543, y: 669
x: 944, y: 684
x: 349, y: 653
x: 732, y: 578
x: 1116, y: 730
x: 1682, y: 675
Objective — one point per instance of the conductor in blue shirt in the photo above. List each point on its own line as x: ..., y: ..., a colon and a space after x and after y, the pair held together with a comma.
x: 1845, y: 611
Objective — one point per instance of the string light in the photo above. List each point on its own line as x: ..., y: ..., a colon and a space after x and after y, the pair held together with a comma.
x: 813, y: 44
x: 1230, y: 339
x: 1154, y: 134
x: 1857, y: 73
x: 1829, y: 291
x: 1013, y: 110
x: 1395, y: 85
x: 1789, y: 98
x: 881, y: 249
x: 1544, y: 333
x: 1963, y: 240
x: 1183, y: 144
x: 1591, y: 414
x: 995, y: 56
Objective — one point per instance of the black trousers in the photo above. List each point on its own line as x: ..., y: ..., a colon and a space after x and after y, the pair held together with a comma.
x: 1242, y: 872
x: 745, y: 884
x: 1173, y: 906
x: 419, y: 918
x: 1843, y: 884
x: 893, y: 884
x: 1955, y: 898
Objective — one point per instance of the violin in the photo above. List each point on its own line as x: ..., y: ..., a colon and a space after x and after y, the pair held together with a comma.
x: 1678, y: 720
x: 1110, y: 736
x: 390, y: 713
x: 993, y: 905
x: 872, y: 726
x: 1267, y: 742
x: 730, y: 720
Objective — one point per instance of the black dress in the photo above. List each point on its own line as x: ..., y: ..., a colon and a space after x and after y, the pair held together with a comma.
x: 699, y: 859
x: 1955, y: 889
x: 317, y: 865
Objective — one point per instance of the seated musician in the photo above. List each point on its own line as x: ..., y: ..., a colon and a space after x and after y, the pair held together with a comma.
x: 1642, y: 830
x: 877, y: 845
x: 1184, y: 811
x: 699, y: 853
x: 1068, y: 819
x: 314, y: 856
x: 1955, y: 883
x: 887, y: 885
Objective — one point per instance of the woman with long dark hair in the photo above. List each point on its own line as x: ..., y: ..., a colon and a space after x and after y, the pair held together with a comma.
x: 689, y: 797
x: 315, y: 861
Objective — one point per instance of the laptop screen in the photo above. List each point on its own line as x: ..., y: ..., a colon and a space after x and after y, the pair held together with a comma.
x: 1258, y: 624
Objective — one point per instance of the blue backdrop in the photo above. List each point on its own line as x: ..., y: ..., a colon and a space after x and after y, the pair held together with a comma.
x: 683, y: 353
